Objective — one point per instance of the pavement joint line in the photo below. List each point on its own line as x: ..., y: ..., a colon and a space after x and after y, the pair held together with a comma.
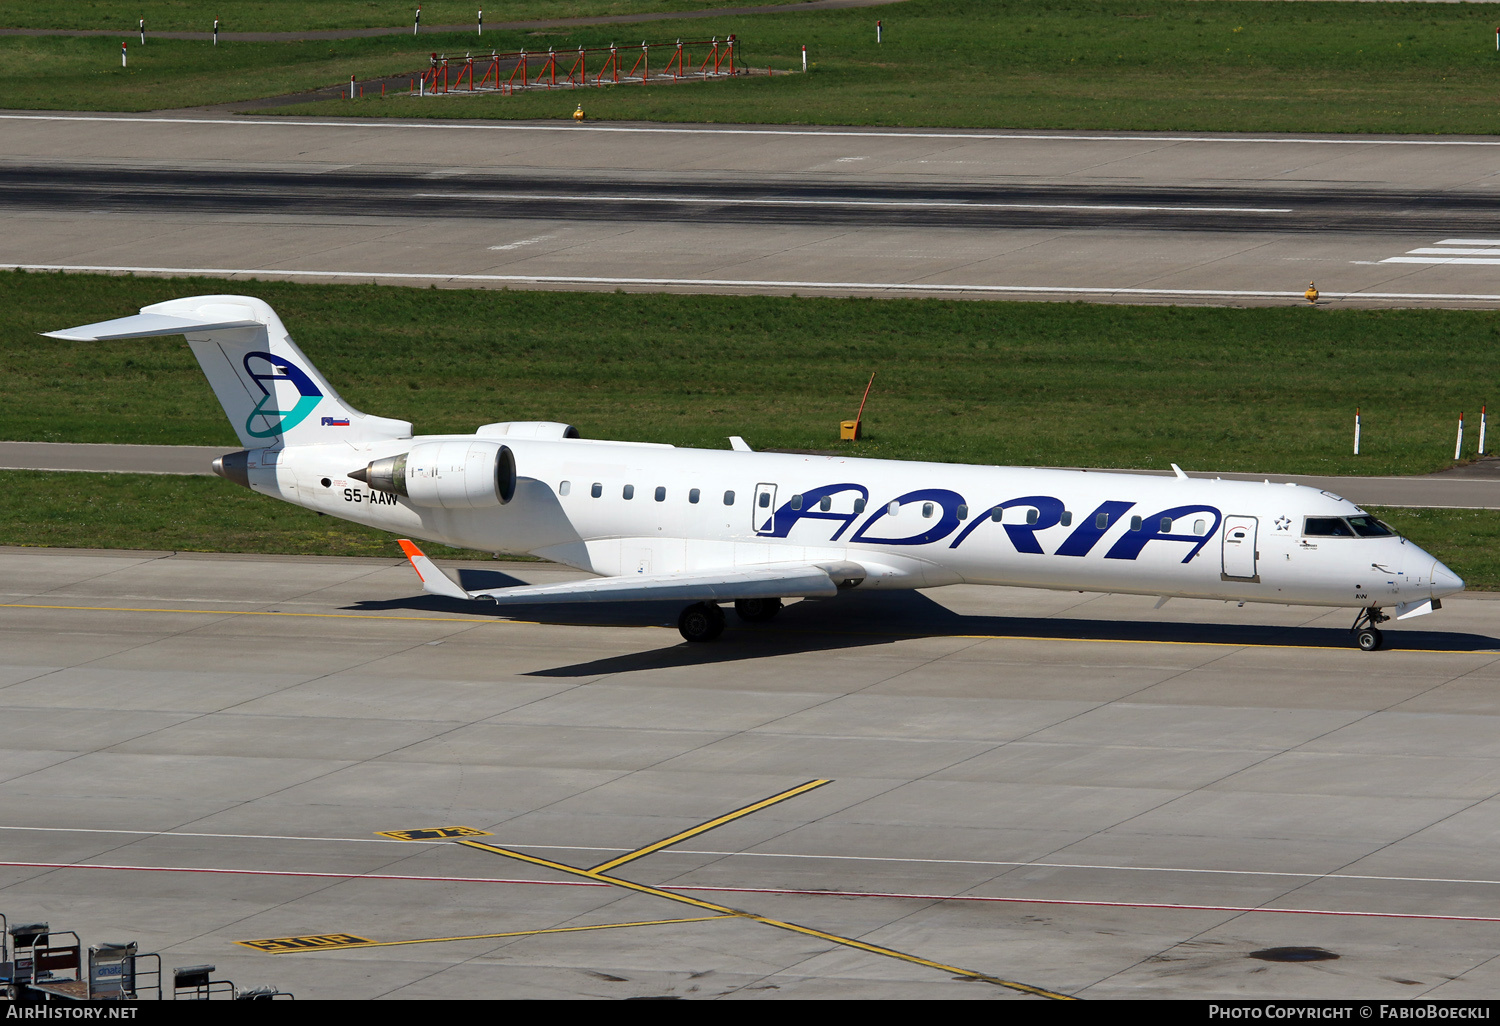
x: 897, y: 287
x: 708, y: 825
x: 771, y: 202
x: 780, y: 924
x: 490, y: 936
x: 1093, y: 867
x: 716, y: 130
x: 863, y: 634
x: 603, y: 881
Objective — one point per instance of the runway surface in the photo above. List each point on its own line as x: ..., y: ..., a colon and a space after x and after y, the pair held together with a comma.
x: 1052, y: 792
x: 1137, y: 217
x: 1473, y: 487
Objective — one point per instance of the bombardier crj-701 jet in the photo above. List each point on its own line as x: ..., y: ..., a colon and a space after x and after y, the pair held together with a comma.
x: 703, y: 527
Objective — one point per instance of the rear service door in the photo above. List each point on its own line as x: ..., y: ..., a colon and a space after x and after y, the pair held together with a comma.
x: 763, y: 512
x: 1239, y: 549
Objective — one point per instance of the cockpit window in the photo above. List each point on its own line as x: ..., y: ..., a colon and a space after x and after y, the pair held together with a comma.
x: 1346, y: 527
x: 1327, y: 527
x: 1369, y: 527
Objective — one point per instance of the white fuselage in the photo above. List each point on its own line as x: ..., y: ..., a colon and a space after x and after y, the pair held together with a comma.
x: 908, y: 524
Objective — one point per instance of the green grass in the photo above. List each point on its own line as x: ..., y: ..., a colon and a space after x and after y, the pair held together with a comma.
x: 297, y: 15
x: 1051, y: 384
x: 1466, y: 540
x: 1087, y: 64
x: 203, y: 514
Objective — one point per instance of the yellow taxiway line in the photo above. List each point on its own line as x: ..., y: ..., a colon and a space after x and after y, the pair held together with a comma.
x: 868, y: 634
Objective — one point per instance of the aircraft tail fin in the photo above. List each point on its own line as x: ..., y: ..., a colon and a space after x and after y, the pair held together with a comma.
x: 270, y: 390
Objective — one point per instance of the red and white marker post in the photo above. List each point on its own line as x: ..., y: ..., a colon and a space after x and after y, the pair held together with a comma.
x: 122, y: 53
x: 1481, y: 431
x: 1356, y: 431
x: 804, y: 57
x: 1458, y: 450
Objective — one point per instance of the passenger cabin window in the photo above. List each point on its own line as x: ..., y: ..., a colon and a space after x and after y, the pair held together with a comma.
x: 927, y: 510
x: 1135, y: 523
x: 859, y: 505
x: 1199, y: 526
x: 629, y: 492
x: 765, y: 500
x: 1166, y: 524
x: 1101, y: 521
x: 1067, y: 518
x: 1032, y: 516
x: 997, y: 514
x: 729, y: 498
x: 1327, y: 527
x: 661, y: 494
x: 565, y: 488
x: 893, y: 508
x: 962, y: 512
x: 597, y: 490
x: 796, y: 501
x: 694, y: 495
x: 826, y: 503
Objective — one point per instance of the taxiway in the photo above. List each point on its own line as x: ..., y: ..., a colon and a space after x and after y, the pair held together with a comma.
x: 1070, y: 793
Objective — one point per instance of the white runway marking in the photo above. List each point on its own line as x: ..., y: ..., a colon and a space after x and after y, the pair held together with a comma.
x: 715, y: 130
x: 521, y: 242
x: 1455, y: 251
x: 1441, y: 260
x: 748, y: 283
x: 940, y: 204
x: 1452, y: 251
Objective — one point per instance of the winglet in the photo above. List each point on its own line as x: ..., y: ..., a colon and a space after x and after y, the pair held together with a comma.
x: 1178, y: 471
x: 434, y: 581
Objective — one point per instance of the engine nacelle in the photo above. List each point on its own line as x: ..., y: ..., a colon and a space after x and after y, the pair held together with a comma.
x: 548, y: 429
x: 452, y: 475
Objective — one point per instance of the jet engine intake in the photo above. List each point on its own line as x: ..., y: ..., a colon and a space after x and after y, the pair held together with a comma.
x: 450, y: 475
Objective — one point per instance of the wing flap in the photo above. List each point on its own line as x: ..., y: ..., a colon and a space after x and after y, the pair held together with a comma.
x: 726, y: 584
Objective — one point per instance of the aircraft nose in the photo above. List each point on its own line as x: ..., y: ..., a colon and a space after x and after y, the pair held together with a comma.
x: 1444, y: 581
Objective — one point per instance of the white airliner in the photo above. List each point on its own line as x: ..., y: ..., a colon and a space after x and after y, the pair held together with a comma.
x: 701, y: 527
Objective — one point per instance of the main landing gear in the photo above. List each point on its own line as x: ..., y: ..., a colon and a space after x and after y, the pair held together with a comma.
x: 704, y: 621
x: 1366, y: 629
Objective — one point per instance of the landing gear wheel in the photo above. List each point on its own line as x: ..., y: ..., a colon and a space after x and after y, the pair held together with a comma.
x: 757, y: 610
x: 703, y: 621
x: 1367, y: 629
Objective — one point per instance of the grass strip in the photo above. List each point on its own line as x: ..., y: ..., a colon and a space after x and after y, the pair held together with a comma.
x: 1269, y: 390
x: 1175, y: 65
x: 297, y: 15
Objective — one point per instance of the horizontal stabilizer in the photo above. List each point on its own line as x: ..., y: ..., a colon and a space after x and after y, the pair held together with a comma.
x: 148, y: 326
x: 726, y: 584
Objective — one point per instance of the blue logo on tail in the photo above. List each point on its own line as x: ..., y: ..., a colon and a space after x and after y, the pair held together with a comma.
x: 276, y: 368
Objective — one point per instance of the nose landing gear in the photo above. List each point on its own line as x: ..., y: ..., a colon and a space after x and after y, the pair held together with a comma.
x: 1366, y: 629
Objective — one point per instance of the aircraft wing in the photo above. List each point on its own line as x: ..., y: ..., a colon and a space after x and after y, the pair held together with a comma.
x: 771, y: 580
